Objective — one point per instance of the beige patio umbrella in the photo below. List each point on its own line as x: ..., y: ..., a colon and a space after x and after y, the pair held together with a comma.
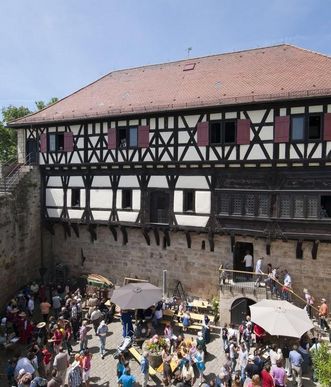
x: 280, y: 318
x: 137, y: 296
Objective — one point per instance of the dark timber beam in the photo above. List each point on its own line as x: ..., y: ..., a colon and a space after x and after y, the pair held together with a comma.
x: 67, y: 230
x: 125, y: 235
x: 146, y: 236
x: 211, y: 241
x: 188, y: 239
x: 92, y: 228
x: 75, y: 227
x: 314, y: 249
x: 233, y: 242
x: 114, y: 232
x: 268, y: 247
x: 156, y: 236
x: 49, y: 227
x: 167, y: 236
x: 299, y: 252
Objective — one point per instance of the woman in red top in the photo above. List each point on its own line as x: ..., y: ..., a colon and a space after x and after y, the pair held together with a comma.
x: 57, y: 339
x: 47, y: 357
x: 86, y: 367
x: 266, y: 379
x: 259, y: 333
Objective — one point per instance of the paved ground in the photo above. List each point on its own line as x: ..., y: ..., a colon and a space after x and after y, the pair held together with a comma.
x: 103, y: 372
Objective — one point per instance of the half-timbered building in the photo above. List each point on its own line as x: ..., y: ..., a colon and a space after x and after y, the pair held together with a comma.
x: 186, y: 165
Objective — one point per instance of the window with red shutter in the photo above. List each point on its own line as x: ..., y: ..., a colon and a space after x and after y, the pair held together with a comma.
x: 327, y: 127
x: 43, y: 143
x: 143, y: 136
x: 68, y: 142
x: 243, y: 132
x: 282, y: 129
x: 203, y: 133
x: 112, y: 143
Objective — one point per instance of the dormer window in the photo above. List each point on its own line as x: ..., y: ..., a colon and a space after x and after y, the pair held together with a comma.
x: 306, y: 128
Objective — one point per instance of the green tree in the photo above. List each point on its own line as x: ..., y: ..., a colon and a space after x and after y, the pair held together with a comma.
x: 8, y: 135
x: 42, y: 104
x: 322, y: 365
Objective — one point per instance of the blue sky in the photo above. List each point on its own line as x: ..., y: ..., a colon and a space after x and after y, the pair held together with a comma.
x: 52, y: 48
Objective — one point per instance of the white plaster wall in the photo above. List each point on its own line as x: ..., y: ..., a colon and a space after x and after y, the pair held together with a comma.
x: 191, y: 154
x: 158, y: 182
x: 329, y: 108
x: 256, y: 153
x: 192, y: 120
x: 316, y: 109
x: 282, y: 148
x: 119, y: 199
x: 54, y: 181
x: 230, y: 115
x: 75, y: 214
x: 194, y: 182
x: 126, y: 216
x: 170, y: 122
x: 298, y: 110
x: 256, y: 115
x: 165, y: 136
x: 192, y: 220
x: 75, y: 128
x: 282, y: 112
x: 181, y: 123
x: 76, y: 181
x: 89, y: 128
x: 293, y: 152
x: 128, y: 181
x: 134, y: 122
x: 183, y: 137
x: 152, y: 123
x: 101, y: 198
x: 75, y: 159
x: 216, y: 116
x: 101, y: 215
x: 202, y: 202
x: 21, y: 144
x: 54, y: 197
x: 267, y: 133
x: 318, y: 152
x: 178, y: 201
x: 101, y: 181
x: 243, y: 149
x: 161, y: 123
x: 136, y: 199
x: 54, y: 212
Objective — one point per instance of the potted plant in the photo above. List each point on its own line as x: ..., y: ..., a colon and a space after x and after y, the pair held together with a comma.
x: 154, y: 346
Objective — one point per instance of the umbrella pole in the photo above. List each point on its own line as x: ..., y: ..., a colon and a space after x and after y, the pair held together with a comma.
x: 164, y: 283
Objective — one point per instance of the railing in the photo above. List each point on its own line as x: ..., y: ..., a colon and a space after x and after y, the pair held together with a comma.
x: 12, y: 171
x: 244, y: 280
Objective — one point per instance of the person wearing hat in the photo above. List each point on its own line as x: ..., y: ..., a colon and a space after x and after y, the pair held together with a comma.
x: 144, y: 368
x: 323, y: 312
x: 75, y: 375
x: 24, y: 378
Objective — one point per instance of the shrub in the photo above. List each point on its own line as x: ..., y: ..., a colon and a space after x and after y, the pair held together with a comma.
x: 322, y: 365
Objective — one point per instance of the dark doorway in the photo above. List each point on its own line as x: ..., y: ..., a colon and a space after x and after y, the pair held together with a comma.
x: 239, y: 252
x: 159, y: 207
x: 240, y: 309
x: 31, y: 151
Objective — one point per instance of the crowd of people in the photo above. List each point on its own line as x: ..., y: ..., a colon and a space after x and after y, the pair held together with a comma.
x: 48, y: 320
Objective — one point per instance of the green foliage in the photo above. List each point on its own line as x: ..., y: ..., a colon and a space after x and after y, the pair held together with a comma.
x: 322, y: 365
x: 8, y: 138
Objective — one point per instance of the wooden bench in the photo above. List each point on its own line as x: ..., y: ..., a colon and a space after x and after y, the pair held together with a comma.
x: 137, y: 356
x: 195, y: 327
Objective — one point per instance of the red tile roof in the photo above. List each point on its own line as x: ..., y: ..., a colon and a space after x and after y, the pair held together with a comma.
x: 262, y: 74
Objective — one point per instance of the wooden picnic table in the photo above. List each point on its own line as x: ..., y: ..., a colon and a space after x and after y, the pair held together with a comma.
x: 198, y: 317
x: 200, y: 304
x: 168, y: 313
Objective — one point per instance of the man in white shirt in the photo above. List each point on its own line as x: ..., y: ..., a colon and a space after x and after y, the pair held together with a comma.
x: 248, y: 261
x: 258, y: 270
x: 286, y: 294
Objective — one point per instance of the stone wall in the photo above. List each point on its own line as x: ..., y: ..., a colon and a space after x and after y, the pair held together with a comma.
x: 197, y: 269
x: 20, y: 235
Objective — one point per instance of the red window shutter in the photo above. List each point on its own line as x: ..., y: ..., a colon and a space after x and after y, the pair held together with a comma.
x: 282, y: 129
x: 327, y: 127
x: 43, y: 143
x: 68, y: 143
x: 143, y: 136
x: 203, y: 133
x: 243, y: 132
x: 112, y: 143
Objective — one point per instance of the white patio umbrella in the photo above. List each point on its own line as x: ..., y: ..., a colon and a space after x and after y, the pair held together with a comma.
x: 136, y: 296
x: 280, y: 318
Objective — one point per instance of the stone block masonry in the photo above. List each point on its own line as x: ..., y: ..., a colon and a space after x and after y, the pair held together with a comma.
x: 20, y: 235
x: 197, y: 269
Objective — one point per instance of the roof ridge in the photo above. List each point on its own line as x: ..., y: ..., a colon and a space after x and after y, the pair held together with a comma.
x: 309, y: 50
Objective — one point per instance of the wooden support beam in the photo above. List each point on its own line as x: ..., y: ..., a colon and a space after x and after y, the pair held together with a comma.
x: 92, y: 228
x: 314, y: 249
x: 124, y: 234
x: 167, y: 236
x: 146, y: 236
x: 156, y: 236
x: 268, y: 247
x: 66, y: 229
x: 299, y: 252
x: 49, y: 227
x: 233, y: 242
x: 211, y: 241
x: 114, y: 232
x: 82, y: 257
x: 75, y: 227
x: 188, y: 239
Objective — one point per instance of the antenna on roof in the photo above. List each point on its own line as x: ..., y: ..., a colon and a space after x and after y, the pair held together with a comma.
x: 189, y: 49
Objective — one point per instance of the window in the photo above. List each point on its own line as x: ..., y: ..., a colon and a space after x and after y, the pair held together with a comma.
x: 75, y: 197
x: 223, y: 132
x: 312, y: 207
x: 55, y: 142
x: 223, y: 203
x: 126, y: 198
x: 188, y: 201
x: 264, y: 205
x: 298, y: 207
x: 250, y: 204
x: 301, y: 131
x: 128, y: 137
x: 237, y: 200
x: 285, y: 206
x: 314, y: 127
x: 325, y: 210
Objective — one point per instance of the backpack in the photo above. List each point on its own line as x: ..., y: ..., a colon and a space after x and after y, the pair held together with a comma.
x: 227, y: 348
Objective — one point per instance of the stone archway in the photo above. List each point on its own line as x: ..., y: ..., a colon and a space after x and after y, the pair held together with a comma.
x: 240, y: 309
